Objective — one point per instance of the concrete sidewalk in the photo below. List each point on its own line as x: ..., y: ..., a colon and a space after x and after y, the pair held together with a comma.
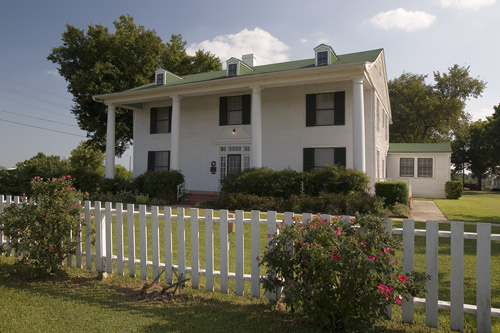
x: 426, y: 210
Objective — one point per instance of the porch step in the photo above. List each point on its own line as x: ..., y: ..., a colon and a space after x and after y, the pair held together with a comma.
x: 197, y: 196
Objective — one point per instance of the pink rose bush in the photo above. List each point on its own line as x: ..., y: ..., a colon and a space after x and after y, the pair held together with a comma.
x: 40, y: 227
x: 343, y: 275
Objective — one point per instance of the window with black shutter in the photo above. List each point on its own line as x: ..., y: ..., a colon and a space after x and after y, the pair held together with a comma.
x: 161, y: 120
x: 316, y: 158
x: 158, y: 160
x: 234, y: 110
x: 325, y: 109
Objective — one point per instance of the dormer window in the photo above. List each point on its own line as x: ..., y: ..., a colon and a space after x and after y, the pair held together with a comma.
x: 159, y: 79
x: 322, y: 58
x: 324, y: 55
x: 232, y: 70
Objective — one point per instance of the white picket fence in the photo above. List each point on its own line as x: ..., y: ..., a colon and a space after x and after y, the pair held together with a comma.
x: 108, y: 223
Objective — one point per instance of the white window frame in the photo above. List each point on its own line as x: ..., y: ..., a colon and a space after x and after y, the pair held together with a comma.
x: 243, y: 150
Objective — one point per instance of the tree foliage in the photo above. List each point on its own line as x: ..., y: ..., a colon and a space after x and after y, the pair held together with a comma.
x: 99, y: 61
x: 422, y: 112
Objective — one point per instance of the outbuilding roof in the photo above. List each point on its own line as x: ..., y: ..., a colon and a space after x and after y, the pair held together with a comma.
x: 441, y: 147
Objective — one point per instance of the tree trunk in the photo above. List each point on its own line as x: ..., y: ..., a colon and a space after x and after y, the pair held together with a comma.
x: 479, y: 180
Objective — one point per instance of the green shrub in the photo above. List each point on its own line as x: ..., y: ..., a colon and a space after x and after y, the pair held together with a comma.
x: 160, y: 186
x: 392, y: 192
x: 339, y: 275
x: 453, y: 189
x: 351, y: 204
x: 248, y: 202
x: 334, y: 178
x: 41, y: 226
x: 263, y: 182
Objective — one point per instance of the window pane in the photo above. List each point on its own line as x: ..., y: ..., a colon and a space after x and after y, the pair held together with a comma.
x: 323, y: 156
x: 235, y: 117
x: 322, y: 58
x: 324, y: 109
x: 232, y: 70
x: 406, y: 167
x: 161, y: 160
x: 425, y: 167
x: 163, y: 120
x: 234, y: 103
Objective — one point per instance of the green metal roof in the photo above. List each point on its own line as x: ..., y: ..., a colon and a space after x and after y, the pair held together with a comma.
x: 365, y: 56
x: 441, y: 147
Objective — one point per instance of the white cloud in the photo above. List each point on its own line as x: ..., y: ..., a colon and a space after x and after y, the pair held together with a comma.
x: 265, y: 47
x: 481, y: 114
x: 466, y: 4
x: 303, y: 40
x: 52, y: 72
x: 402, y: 19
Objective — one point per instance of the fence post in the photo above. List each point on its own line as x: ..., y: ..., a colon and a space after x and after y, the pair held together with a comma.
x: 88, y: 235
x: 239, y: 246
x: 209, y: 249
x: 408, y: 260
x: 143, y: 242
x: 181, y: 241
x: 195, y: 245
x: 483, y: 277
x: 100, y: 238
x: 131, y: 239
x: 119, y: 238
x: 255, y: 250
x: 169, y: 276
x: 271, y: 231
x: 79, y: 239
x: 155, y: 241
x: 431, y: 268
x: 224, y: 252
x: 388, y: 308
x: 109, y: 238
x: 457, y: 277
x: 8, y: 247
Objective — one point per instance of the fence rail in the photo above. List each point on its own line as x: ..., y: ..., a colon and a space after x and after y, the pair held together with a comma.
x: 108, y: 223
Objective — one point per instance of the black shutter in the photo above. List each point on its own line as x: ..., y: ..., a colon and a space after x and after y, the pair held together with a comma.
x: 169, y: 160
x: 339, y: 108
x: 308, y: 159
x: 151, y: 160
x: 153, y: 121
x: 223, y: 111
x: 339, y: 156
x: 310, y: 110
x: 246, y: 103
x: 170, y: 119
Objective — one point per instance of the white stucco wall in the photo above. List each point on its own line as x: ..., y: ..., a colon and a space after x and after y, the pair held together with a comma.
x: 423, y: 187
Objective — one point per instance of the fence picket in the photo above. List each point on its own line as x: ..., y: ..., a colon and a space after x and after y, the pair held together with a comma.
x: 388, y: 308
x: 143, y: 242
x: 271, y: 230
x: 483, y: 280
x: 239, y: 245
x: 224, y: 253
x: 408, y: 259
x: 431, y: 268
x: 109, y: 238
x: 8, y: 247
x: 195, y: 249
x: 169, y: 273
x: 2, y: 198
x: 155, y: 241
x: 119, y: 238
x: 306, y: 218
x: 88, y: 235
x: 209, y: 250
x: 181, y: 241
x: 457, y: 277
x: 78, y: 240
x: 100, y: 234
x: 69, y: 258
x: 131, y: 239
x: 255, y: 241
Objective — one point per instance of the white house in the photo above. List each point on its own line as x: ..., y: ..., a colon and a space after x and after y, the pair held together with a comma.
x: 424, y: 166
x: 298, y: 114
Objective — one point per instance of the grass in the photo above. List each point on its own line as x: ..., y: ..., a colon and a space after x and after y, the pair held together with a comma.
x: 77, y: 301
x: 473, y: 206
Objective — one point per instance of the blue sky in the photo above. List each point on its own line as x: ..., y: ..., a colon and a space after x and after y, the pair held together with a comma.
x: 418, y: 37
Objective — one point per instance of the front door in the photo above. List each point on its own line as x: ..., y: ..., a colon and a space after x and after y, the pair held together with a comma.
x: 233, y: 163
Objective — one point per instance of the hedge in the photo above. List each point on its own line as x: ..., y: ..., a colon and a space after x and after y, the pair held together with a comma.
x: 453, y: 189
x: 392, y: 192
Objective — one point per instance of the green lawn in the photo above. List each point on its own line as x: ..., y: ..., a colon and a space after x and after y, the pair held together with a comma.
x: 474, y: 206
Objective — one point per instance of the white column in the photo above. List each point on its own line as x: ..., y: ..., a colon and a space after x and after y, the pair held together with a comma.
x: 256, y: 118
x: 358, y: 125
x: 175, y: 132
x: 109, y: 167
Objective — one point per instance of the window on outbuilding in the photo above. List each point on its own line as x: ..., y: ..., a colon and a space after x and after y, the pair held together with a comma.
x: 425, y: 167
x: 325, y: 109
x: 316, y: 158
x: 234, y: 110
x: 158, y: 160
x: 406, y: 167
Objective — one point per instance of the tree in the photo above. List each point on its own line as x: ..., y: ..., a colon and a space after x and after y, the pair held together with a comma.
x: 480, y: 151
x: 431, y: 113
x: 494, y: 135
x: 99, y: 62
x: 87, y: 167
